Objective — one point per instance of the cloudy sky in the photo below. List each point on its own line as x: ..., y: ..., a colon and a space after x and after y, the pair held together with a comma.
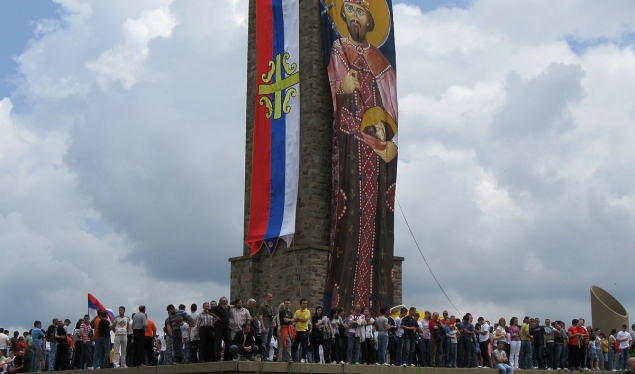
x: 122, y: 141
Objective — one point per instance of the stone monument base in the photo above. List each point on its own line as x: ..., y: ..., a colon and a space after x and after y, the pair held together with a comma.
x: 290, y: 273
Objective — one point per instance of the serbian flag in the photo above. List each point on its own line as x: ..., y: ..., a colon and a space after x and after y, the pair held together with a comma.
x: 275, y: 156
x: 94, y: 305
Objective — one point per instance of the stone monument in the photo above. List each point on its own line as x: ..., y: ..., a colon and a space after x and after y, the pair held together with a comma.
x: 299, y: 271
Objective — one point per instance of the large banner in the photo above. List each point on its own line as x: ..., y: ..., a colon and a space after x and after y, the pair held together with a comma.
x: 360, y: 50
x: 275, y: 157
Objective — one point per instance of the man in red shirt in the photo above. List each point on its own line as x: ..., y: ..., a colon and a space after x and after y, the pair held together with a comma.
x: 575, y: 341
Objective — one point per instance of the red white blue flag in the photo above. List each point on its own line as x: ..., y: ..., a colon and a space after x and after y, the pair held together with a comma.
x: 94, y: 306
x: 275, y: 156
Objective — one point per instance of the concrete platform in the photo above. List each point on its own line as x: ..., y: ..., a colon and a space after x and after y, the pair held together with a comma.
x: 275, y: 367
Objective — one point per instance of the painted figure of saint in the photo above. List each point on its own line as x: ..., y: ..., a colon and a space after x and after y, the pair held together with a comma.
x: 363, y: 87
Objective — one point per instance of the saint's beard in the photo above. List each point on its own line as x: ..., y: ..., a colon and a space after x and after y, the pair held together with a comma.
x: 356, y: 31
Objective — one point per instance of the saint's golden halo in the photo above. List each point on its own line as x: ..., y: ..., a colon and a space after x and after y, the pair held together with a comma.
x: 379, y: 11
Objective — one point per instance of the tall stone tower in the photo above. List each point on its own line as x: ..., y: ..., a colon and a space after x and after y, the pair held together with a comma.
x: 300, y: 270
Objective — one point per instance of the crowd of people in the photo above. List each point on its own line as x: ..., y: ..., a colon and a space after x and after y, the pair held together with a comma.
x: 395, y: 336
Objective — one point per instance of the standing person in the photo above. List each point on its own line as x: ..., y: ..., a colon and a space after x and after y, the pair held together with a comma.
x: 86, y: 334
x: 383, y: 327
x: 392, y: 336
x: 466, y: 333
x: 437, y: 337
x: 238, y: 316
x: 139, y: 324
x: 399, y: 337
x: 612, y: 350
x: 367, y: 345
x: 169, y: 344
x: 425, y: 341
x: 539, y: 343
x: 574, y: 342
x: 514, y: 343
x: 221, y: 329
x: 77, y: 351
x: 162, y: 348
x: 625, y: 340
x: 38, y: 341
x: 102, y: 329
x: 121, y: 325
x: 4, y: 342
x: 604, y: 344
x: 549, y: 342
x: 61, y: 356
x: 205, y: 324
x: 483, y: 341
x: 354, y: 341
x: 286, y: 331
x: 500, y: 359
x: 265, y: 316
x: 301, y: 317
x: 525, y: 342
x: 454, y: 342
x: 50, y: 337
x: 174, y: 330
x: 149, y: 336
x: 409, y: 326
x: 320, y: 336
x: 336, y: 339
x: 559, y: 336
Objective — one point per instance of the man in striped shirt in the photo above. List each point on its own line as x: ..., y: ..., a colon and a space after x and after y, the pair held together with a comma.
x: 205, y: 324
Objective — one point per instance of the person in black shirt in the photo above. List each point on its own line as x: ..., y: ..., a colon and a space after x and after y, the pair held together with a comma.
x: 50, y: 337
x: 409, y: 326
x: 61, y: 356
x: 538, y: 332
x: 244, y: 343
x: 286, y: 319
x: 221, y: 329
x: 19, y: 365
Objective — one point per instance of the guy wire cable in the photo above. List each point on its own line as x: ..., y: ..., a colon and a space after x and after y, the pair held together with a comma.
x: 424, y: 258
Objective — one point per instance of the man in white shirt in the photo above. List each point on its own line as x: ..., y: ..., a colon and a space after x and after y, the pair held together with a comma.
x: 483, y: 341
x: 625, y: 340
x: 4, y: 343
x: 121, y: 327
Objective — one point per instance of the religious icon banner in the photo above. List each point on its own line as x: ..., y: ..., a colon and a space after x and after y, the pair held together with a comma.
x: 360, y: 58
x: 275, y: 157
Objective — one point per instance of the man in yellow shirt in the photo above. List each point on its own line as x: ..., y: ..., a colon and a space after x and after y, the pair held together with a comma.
x: 301, y: 317
x: 525, y: 342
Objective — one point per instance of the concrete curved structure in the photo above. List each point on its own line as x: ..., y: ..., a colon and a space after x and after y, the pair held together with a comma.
x: 606, y: 312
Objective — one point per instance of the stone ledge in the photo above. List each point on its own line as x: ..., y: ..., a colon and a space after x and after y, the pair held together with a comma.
x: 283, y: 367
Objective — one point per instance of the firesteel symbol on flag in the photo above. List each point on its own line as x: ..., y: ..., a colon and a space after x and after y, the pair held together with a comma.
x: 279, y: 85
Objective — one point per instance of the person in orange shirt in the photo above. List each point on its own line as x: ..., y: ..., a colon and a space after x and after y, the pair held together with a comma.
x: 148, y: 343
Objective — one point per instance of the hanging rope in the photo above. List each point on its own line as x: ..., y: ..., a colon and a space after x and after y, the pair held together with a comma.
x: 424, y: 258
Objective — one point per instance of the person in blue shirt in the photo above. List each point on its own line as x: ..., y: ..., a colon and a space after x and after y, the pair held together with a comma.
x: 39, y: 339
